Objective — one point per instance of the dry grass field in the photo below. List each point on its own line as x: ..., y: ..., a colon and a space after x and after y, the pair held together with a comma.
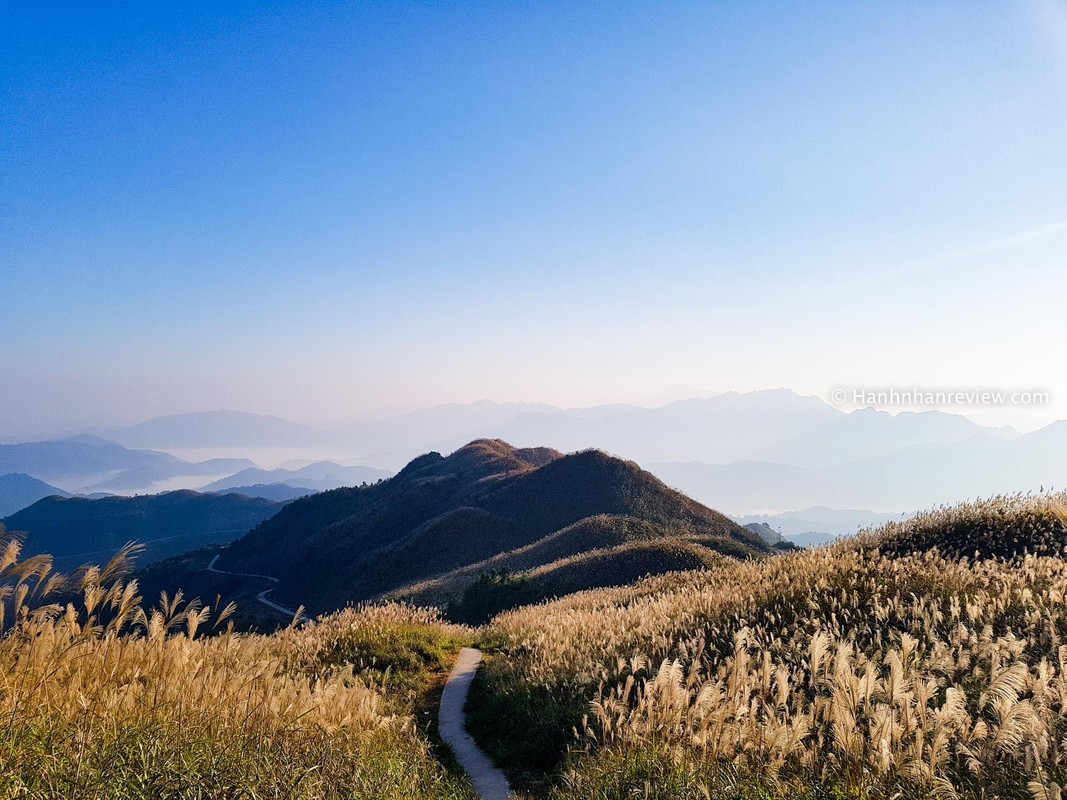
x: 876, y: 668
x: 924, y: 660
x: 100, y: 698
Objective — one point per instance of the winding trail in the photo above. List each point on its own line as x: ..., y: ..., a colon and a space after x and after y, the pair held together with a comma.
x: 262, y: 596
x: 489, y: 781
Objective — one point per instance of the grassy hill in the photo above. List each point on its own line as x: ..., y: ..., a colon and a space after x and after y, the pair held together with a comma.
x: 900, y: 663
x: 442, y: 514
x: 1002, y: 527
x: 494, y: 592
x: 596, y: 551
x: 77, y: 530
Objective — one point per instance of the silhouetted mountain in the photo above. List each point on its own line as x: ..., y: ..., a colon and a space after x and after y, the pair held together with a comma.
x: 88, y: 464
x: 319, y: 476
x: 766, y: 451
x: 439, y: 514
x: 278, y: 492
x: 78, y: 530
x: 18, y: 490
x: 216, y: 429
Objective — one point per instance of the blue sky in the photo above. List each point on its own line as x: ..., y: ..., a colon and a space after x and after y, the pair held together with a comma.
x: 320, y: 209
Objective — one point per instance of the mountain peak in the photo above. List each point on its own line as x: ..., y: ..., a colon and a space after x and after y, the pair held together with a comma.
x: 441, y: 513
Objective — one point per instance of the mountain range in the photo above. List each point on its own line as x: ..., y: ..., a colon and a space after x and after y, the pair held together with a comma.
x: 87, y: 463
x: 317, y: 476
x: 909, y: 479
x: 758, y: 452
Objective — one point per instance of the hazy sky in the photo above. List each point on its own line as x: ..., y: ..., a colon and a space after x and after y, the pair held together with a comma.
x: 320, y: 209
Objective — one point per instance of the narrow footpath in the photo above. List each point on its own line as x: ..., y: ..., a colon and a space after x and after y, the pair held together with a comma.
x: 489, y: 781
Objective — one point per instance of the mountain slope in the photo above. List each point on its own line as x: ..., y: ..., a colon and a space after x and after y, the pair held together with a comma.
x: 18, y: 490
x: 624, y: 564
x: 603, y: 534
x: 440, y: 514
x: 75, y: 530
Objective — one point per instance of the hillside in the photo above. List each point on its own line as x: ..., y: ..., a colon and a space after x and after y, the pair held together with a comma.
x: 75, y: 530
x: 921, y: 660
x: 601, y: 550
x: 440, y: 514
x: 18, y: 490
x: 1000, y: 527
x: 122, y: 699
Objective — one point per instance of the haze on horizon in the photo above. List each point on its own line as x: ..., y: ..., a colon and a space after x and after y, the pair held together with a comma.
x: 321, y: 210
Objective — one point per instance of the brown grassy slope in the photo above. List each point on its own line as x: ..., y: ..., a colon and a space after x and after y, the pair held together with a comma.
x: 999, y: 527
x: 622, y: 565
x: 849, y: 671
x: 599, y: 532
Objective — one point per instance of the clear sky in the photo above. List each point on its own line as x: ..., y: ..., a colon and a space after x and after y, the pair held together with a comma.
x: 321, y: 209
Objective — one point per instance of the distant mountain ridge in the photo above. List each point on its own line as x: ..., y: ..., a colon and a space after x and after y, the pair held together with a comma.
x: 818, y: 525
x: 278, y: 492
x: 445, y: 513
x: 775, y: 425
x: 76, y: 456
x: 223, y: 428
x: 320, y: 476
x: 909, y: 479
x: 756, y: 452
x: 86, y: 464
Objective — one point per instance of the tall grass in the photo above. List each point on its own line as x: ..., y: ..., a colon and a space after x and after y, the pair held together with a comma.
x: 100, y: 698
x: 851, y: 671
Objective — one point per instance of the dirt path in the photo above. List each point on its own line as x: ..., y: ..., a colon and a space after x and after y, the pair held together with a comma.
x: 488, y: 780
x: 262, y: 596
